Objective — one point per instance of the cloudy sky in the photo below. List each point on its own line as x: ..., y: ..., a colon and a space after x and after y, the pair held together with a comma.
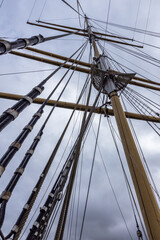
x: 103, y: 218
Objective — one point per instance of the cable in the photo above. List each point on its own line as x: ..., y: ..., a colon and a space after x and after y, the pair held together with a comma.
x: 15, y: 73
x: 113, y: 191
x: 32, y: 10
x: 26, y: 159
x: 42, y: 9
x: 142, y: 154
x: 90, y: 178
x: 136, y: 18
x: 72, y: 8
x: 126, y: 178
x: 107, y: 19
x: 139, y: 107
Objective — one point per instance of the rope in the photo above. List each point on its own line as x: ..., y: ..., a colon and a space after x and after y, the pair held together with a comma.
x: 47, y: 118
x: 42, y: 9
x: 130, y: 193
x: 67, y: 143
x: 135, y: 103
x: 61, y: 224
x: 63, y: 215
x: 136, y: 18
x: 15, y: 73
x: 72, y: 8
x: 112, y: 188
x: 147, y: 20
x: 107, y: 19
x: 90, y: 178
x: 32, y: 10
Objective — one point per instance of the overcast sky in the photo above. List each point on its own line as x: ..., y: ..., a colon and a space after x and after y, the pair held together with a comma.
x: 103, y: 219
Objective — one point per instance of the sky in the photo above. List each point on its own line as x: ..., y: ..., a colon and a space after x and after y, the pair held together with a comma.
x: 103, y: 219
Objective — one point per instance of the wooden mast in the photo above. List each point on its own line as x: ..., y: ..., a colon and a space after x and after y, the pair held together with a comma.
x: 148, y: 204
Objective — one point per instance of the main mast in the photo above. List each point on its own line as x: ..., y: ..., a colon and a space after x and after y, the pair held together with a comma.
x: 148, y: 204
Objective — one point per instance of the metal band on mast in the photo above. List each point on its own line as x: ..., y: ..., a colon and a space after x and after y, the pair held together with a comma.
x: 20, y: 43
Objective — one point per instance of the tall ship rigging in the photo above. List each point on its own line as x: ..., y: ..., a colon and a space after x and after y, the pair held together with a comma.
x: 80, y: 121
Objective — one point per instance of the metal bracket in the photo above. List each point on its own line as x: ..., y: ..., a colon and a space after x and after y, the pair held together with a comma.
x: 50, y: 205
x: 1, y: 170
x: 26, y: 206
x: 51, y: 195
x: 44, y: 208
x: 35, y: 190
x: 12, y: 112
x: 15, y: 228
x: 36, y: 224
x: 29, y: 99
x: 30, y: 151
x: 38, y: 114
x: 28, y: 127
x: 38, y: 89
x: 16, y: 145
x: 19, y: 170
x: 5, y: 195
x: 38, y: 137
x: 27, y: 42
x: 7, y: 46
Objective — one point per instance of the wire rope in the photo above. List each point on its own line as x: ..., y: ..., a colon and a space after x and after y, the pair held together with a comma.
x: 136, y: 18
x: 42, y: 9
x: 112, y: 188
x: 109, y: 4
x: 33, y: 71
x: 139, y: 111
x: 125, y: 177
x: 150, y: 1
x: 83, y: 90
x: 32, y: 10
x: 72, y: 8
x: 142, y: 154
x: 90, y: 178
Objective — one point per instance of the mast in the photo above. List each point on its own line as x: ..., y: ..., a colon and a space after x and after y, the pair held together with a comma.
x: 147, y: 202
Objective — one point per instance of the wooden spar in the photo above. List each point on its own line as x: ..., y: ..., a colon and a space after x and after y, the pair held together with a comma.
x: 147, y: 201
x: 148, y: 205
x: 84, y: 30
x: 58, y: 56
x: 79, y: 69
x: 81, y: 107
x: 86, y: 35
x: 85, y: 64
x: 44, y: 60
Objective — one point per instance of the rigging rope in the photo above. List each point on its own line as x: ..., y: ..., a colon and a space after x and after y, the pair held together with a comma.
x: 32, y: 10
x: 151, y: 33
x: 42, y: 9
x: 109, y: 4
x: 90, y: 178
x: 126, y: 178
x: 140, y: 106
x: 72, y: 8
x: 150, y: 1
x: 136, y: 18
x: 142, y: 154
x: 26, y: 159
x: 1, y: 3
x: 112, y: 188
x: 15, y: 73
x: 85, y: 122
x: 12, y: 113
x: 15, y: 146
